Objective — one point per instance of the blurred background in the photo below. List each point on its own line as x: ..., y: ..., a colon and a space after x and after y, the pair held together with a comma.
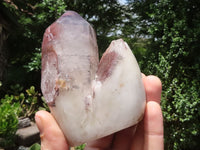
x: 164, y: 35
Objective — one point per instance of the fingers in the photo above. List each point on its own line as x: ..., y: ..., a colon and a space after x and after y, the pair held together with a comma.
x: 148, y: 135
x: 153, y: 119
x: 153, y: 88
x: 138, y: 139
x: 153, y: 127
x: 152, y: 122
x: 100, y: 144
x: 51, y: 136
x: 123, y: 139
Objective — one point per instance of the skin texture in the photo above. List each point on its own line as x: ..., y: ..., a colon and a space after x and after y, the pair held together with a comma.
x: 148, y: 136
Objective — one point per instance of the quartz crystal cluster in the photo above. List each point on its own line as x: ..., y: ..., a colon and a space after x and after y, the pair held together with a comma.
x: 89, y: 99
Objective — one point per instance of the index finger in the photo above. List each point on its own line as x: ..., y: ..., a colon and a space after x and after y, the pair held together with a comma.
x: 153, y: 119
x: 153, y: 88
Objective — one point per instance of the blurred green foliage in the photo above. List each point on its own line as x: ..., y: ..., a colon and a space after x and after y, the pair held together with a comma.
x: 8, y: 121
x: 14, y: 106
x: 35, y: 146
x: 31, y: 18
x: 163, y: 34
x: 81, y: 147
x: 173, y: 55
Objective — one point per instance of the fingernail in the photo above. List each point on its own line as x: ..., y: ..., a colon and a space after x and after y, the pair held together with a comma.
x: 143, y: 75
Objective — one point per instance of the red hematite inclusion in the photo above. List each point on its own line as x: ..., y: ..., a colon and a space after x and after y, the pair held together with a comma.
x: 107, y: 64
x: 97, y: 98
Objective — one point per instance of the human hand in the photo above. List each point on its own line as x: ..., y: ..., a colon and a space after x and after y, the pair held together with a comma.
x: 148, y: 136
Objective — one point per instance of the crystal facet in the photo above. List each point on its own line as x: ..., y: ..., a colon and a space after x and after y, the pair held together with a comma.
x: 89, y: 99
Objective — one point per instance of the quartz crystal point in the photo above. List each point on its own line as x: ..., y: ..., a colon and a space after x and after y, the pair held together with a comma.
x: 89, y: 99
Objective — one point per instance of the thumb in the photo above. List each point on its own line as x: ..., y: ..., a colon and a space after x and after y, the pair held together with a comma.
x: 51, y: 135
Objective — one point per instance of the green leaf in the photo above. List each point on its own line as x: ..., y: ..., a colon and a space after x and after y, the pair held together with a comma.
x: 35, y: 146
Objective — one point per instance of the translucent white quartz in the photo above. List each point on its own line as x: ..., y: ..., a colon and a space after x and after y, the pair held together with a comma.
x: 88, y: 98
